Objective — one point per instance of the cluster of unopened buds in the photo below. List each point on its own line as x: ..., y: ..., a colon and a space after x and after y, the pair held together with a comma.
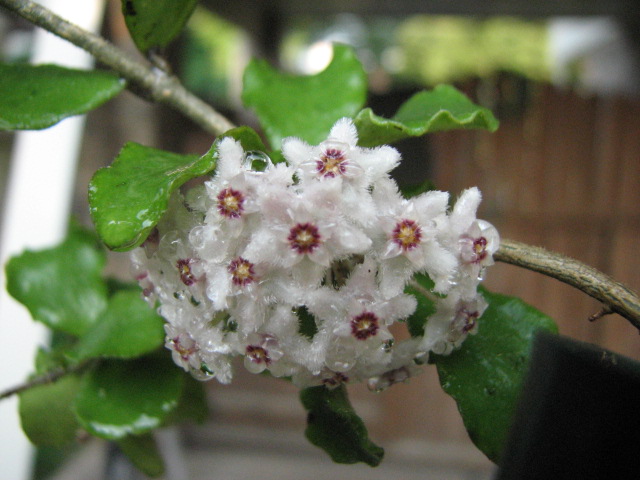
x: 302, y: 267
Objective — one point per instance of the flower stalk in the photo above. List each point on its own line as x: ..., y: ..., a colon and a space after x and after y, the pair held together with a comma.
x: 615, y: 296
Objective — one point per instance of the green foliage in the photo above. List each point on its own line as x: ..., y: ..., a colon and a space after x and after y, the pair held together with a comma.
x: 33, y: 97
x: 333, y: 425
x: 486, y: 374
x: 443, y: 108
x: 143, y: 452
x: 127, y: 329
x: 155, y: 23
x: 134, y: 392
x: 425, y: 307
x: 128, y: 397
x: 45, y: 414
x: 305, y: 106
x: 62, y: 286
x: 128, y: 198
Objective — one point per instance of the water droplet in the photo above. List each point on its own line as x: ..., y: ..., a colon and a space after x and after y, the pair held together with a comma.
x: 256, y: 161
x: 481, y: 274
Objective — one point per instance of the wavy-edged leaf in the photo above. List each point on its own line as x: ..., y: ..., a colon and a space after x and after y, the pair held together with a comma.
x: 486, y: 374
x: 443, y: 108
x: 143, y: 452
x: 62, y: 286
x: 155, y: 23
x: 305, y: 106
x: 333, y: 425
x: 128, y: 328
x: 33, y: 97
x: 46, y: 414
x: 128, y: 198
x: 128, y: 397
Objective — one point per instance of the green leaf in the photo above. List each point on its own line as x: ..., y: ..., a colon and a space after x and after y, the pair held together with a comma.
x: 425, y: 307
x: 143, y: 452
x: 485, y: 376
x: 33, y: 97
x: 46, y: 414
x: 415, y: 189
x: 128, y: 328
x: 128, y: 397
x: 333, y: 426
x: 443, y: 108
x: 128, y: 198
x: 62, y: 287
x: 305, y: 106
x: 306, y: 322
x: 192, y: 404
x: 155, y: 23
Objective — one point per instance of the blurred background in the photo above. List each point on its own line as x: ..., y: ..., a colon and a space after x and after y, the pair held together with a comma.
x: 562, y: 172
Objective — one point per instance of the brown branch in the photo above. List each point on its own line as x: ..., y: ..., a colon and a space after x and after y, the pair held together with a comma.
x: 615, y: 296
x: 49, y: 377
x: 153, y: 83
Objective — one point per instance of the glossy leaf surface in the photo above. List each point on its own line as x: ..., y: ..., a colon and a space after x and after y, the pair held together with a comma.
x: 33, y: 97
x: 62, y: 286
x: 46, y: 415
x: 485, y: 375
x: 128, y: 328
x: 128, y: 198
x: 305, y: 106
x: 333, y: 425
x: 443, y: 108
x: 155, y: 23
x: 128, y: 397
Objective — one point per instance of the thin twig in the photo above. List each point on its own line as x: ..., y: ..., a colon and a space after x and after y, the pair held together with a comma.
x: 153, y: 82
x: 614, y: 295
x: 600, y: 313
x: 49, y: 377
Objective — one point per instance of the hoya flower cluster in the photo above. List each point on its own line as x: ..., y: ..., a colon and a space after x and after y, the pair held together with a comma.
x: 300, y: 267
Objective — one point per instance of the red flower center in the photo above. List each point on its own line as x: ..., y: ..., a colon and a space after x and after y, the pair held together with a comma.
x: 332, y: 163
x: 304, y: 238
x: 364, y: 325
x: 230, y: 203
x: 186, y: 273
x: 258, y: 354
x: 242, y: 272
x: 407, y: 234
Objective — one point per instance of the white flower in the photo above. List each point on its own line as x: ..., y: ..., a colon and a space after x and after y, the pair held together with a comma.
x: 454, y: 320
x: 411, y: 228
x: 300, y: 268
x: 339, y: 160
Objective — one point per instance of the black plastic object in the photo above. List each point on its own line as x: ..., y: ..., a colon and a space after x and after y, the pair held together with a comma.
x: 578, y: 416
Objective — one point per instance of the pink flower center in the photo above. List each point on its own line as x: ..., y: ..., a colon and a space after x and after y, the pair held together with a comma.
x: 407, y: 234
x: 337, y: 379
x: 241, y: 271
x: 186, y: 273
x: 184, y: 345
x: 258, y: 354
x: 474, y: 250
x: 364, y: 325
x: 304, y: 238
x: 230, y: 203
x: 465, y: 320
x: 332, y: 163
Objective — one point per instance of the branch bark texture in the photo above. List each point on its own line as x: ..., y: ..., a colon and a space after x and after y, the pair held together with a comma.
x: 156, y: 84
x: 614, y: 295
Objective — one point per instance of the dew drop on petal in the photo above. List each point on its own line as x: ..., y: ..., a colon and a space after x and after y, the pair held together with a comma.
x: 256, y: 161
